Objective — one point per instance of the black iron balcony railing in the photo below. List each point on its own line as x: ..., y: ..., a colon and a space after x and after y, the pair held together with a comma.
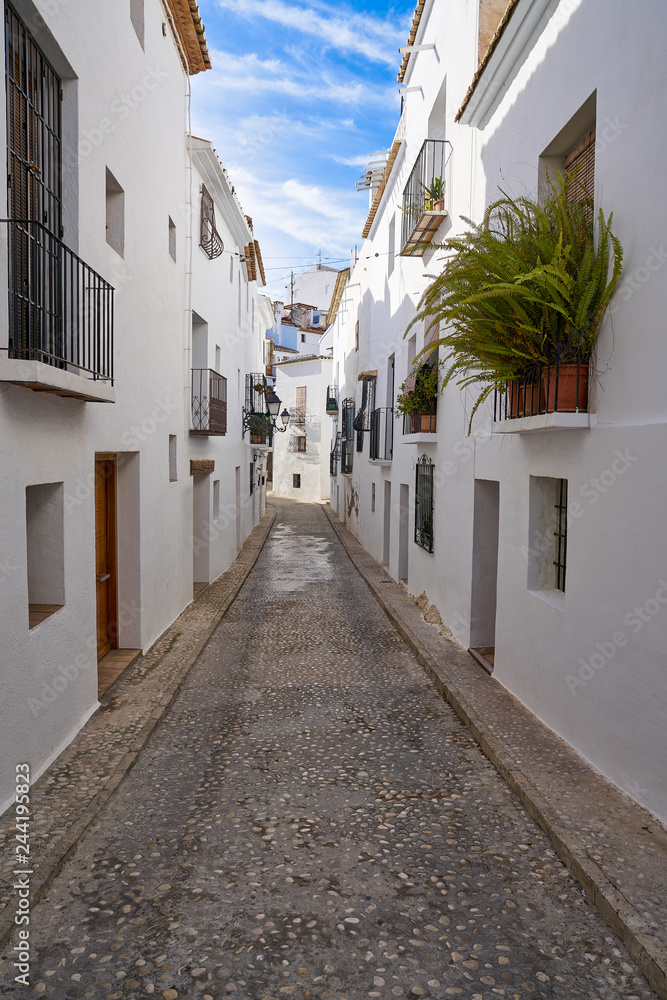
x: 421, y: 423
x: 209, y: 402
x: 561, y: 387
x: 382, y: 434
x: 335, y: 454
x: 61, y: 311
x: 424, y: 197
x: 332, y: 399
x: 257, y: 386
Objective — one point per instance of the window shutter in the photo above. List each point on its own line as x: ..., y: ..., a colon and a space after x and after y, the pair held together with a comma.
x: 300, y: 409
x: 582, y: 159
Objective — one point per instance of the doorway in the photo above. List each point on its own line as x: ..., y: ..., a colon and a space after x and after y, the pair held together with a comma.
x: 105, y: 554
x: 201, y: 532
x: 486, y: 517
x: 404, y: 533
x: 387, y: 524
x: 238, y: 509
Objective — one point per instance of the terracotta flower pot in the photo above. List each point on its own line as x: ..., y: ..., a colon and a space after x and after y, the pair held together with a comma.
x: 524, y: 399
x: 571, y: 397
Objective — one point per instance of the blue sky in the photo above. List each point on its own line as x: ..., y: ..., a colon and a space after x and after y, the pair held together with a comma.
x: 300, y: 94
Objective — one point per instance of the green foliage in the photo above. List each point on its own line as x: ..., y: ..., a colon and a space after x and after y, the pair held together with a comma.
x: 531, y: 280
x: 418, y: 393
x: 435, y: 191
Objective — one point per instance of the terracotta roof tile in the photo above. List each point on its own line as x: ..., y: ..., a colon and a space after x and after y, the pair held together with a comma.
x: 391, y: 159
x: 188, y: 23
x: 411, y: 38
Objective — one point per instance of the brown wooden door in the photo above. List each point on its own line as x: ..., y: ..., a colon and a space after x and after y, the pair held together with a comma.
x: 105, y: 554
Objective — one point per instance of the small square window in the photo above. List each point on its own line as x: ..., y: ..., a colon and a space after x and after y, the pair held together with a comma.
x: 296, y: 481
x: 216, y: 499
x: 172, y: 239
x: 173, y: 464
x: 547, y: 551
x: 303, y: 338
x: 115, y: 201
x: 46, y: 550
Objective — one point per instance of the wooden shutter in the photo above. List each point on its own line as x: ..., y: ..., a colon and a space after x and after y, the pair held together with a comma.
x: 582, y: 160
x: 300, y: 409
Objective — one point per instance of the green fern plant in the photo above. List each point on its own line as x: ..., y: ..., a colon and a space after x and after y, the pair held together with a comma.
x: 529, y: 284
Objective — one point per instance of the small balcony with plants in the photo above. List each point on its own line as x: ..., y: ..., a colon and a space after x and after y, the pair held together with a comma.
x: 332, y: 400
x: 424, y: 198
x: 60, y: 322
x: 522, y: 296
x: 417, y: 402
x: 209, y: 402
x: 257, y: 388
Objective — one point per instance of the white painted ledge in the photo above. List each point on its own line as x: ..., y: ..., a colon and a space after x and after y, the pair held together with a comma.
x: 47, y: 378
x: 545, y: 422
x: 430, y: 437
x: 380, y: 461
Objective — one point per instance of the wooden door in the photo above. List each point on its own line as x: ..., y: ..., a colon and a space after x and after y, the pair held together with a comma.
x: 105, y: 554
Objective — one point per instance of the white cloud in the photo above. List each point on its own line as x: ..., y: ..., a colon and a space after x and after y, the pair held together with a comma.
x: 345, y: 30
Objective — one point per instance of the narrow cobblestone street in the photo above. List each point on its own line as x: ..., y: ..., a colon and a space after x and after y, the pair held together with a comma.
x: 311, y: 820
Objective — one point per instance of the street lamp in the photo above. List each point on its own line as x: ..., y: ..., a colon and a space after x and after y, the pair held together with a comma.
x: 255, y: 421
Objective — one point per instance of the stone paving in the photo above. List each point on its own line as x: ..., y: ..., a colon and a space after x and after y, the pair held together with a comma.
x: 310, y: 819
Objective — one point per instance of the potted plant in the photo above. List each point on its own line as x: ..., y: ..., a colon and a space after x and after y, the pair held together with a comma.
x: 434, y: 195
x: 417, y: 397
x: 522, y: 296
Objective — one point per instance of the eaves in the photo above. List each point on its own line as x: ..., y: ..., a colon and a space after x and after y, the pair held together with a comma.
x: 520, y: 27
x: 209, y: 166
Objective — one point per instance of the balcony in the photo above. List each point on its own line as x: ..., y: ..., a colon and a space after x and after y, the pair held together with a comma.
x: 209, y: 402
x: 382, y: 434
x: 552, y: 397
x: 256, y: 411
x: 61, y: 318
x: 424, y: 198
x: 332, y: 400
x: 420, y: 423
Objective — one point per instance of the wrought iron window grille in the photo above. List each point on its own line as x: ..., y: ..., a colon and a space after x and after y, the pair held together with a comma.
x: 209, y: 238
x: 424, y: 197
x: 424, y: 503
x: 209, y: 402
x: 347, y: 447
x: 560, y: 562
x: 382, y: 434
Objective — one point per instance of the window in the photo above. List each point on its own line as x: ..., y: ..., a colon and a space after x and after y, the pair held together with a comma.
x: 301, y: 442
x: 216, y: 499
x: 392, y: 245
x: 115, y: 197
x: 363, y: 418
x: 347, y: 442
x: 303, y: 338
x: 46, y: 550
x: 137, y: 18
x: 209, y: 239
x: 580, y: 161
x: 172, y: 239
x: 173, y: 465
x: 296, y: 481
x: 252, y: 478
x: 424, y: 504
x: 356, y: 336
x: 300, y: 408
x: 372, y: 498
x: 547, y: 549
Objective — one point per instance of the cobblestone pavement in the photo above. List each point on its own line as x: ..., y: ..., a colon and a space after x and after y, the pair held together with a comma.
x: 311, y: 820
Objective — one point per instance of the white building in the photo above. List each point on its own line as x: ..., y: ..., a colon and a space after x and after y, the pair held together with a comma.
x: 496, y: 94
x: 301, y: 454
x: 100, y: 547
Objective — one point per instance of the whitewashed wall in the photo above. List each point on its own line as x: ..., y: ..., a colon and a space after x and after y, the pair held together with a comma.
x: 313, y: 464
x: 589, y: 663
